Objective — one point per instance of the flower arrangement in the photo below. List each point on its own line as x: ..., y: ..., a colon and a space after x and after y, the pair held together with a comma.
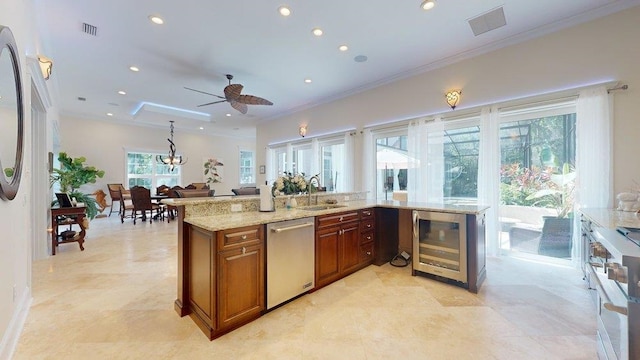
x: 289, y: 184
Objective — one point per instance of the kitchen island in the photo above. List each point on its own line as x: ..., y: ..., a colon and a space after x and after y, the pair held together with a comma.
x: 221, y: 253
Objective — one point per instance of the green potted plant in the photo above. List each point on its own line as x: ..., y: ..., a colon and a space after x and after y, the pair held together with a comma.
x: 556, y: 236
x: 558, y: 192
x: 71, y: 175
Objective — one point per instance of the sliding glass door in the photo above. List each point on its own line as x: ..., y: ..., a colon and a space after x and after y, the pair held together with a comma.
x: 537, y: 175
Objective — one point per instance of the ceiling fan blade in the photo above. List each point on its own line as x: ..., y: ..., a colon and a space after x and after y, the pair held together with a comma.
x: 231, y: 92
x: 211, y: 103
x: 202, y: 92
x: 253, y: 100
x: 238, y: 106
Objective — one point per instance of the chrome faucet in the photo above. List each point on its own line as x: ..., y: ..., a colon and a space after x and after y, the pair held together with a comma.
x: 317, y: 178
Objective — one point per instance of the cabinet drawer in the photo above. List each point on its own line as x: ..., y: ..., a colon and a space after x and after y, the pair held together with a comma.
x: 367, y: 237
x: 242, y: 236
x: 333, y: 219
x: 366, y: 214
x: 366, y: 252
x: 367, y: 225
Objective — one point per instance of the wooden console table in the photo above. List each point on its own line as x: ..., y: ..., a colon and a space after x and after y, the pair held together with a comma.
x: 66, y: 216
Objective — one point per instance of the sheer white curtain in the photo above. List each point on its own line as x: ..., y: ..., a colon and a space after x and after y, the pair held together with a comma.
x: 425, y: 173
x: 594, y: 118
x: 289, y: 158
x: 272, y: 171
x: 489, y: 174
x: 417, y: 153
x: 434, y: 179
x: 593, y: 148
x: 368, y: 164
x: 315, y: 157
x: 348, y: 163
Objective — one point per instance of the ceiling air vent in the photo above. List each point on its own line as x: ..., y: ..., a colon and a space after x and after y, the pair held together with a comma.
x: 488, y: 21
x: 89, y: 29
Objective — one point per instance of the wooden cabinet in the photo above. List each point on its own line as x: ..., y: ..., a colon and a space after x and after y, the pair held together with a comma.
x: 367, y: 237
x: 225, y: 278
x: 344, y: 244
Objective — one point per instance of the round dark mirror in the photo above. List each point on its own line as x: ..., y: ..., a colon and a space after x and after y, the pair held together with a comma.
x: 11, y: 116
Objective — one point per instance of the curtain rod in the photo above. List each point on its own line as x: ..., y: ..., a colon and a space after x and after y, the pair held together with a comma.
x: 620, y: 87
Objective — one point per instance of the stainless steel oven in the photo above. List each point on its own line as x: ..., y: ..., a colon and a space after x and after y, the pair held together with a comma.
x: 613, y: 272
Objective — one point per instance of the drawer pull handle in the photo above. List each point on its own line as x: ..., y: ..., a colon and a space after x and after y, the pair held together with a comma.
x: 340, y: 218
x: 368, y: 237
x: 368, y: 253
x: 368, y: 225
x: 244, y: 237
x: 244, y: 250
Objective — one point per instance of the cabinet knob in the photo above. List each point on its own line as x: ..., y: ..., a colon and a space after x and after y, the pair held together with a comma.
x: 369, y: 237
x: 368, y: 225
x: 244, y: 237
x: 340, y: 218
x: 368, y: 253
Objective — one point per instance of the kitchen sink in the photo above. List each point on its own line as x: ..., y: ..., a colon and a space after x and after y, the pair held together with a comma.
x: 321, y: 207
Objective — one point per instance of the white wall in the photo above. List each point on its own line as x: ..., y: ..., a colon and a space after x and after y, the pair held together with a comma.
x: 601, y: 50
x: 104, y: 143
x: 15, y: 258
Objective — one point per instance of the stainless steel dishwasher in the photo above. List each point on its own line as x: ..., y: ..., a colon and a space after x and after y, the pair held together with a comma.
x: 290, y: 259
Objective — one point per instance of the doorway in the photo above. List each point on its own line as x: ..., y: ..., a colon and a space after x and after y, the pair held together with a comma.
x: 537, y: 179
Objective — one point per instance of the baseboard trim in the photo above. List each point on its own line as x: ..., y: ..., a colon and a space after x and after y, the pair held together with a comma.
x: 12, y: 335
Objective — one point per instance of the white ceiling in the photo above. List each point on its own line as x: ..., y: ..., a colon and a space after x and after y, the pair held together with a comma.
x: 269, y: 54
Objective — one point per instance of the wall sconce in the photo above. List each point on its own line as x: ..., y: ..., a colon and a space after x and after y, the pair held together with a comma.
x: 453, y: 97
x: 302, y: 130
x: 46, y: 65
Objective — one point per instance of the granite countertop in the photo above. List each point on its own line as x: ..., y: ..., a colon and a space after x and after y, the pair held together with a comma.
x: 610, y: 218
x: 233, y: 220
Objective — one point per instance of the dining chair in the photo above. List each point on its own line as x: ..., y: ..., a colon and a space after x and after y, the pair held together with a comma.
x: 125, y: 204
x: 172, y: 211
x: 141, y: 199
x: 114, y: 193
x: 162, y: 190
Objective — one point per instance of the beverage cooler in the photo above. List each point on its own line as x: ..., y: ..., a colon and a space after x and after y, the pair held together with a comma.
x: 439, y: 244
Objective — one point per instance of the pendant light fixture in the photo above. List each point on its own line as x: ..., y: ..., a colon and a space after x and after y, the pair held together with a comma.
x: 172, y: 160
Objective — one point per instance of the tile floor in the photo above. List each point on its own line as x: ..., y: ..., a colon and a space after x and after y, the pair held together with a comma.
x: 115, y: 301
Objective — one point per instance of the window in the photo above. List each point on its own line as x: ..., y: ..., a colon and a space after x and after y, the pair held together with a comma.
x: 303, y: 160
x: 537, y: 164
x: 247, y: 168
x: 143, y: 170
x: 392, y: 161
x: 332, y: 157
x: 461, y: 152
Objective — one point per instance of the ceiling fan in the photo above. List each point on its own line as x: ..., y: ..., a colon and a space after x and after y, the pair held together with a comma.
x: 232, y: 96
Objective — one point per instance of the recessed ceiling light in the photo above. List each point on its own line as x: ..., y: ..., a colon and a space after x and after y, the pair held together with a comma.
x: 109, y: 114
x: 156, y: 19
x: 134, y: 68
x: 284, y: 10
x: 201, y: 127
x: 228, y: 114
x: 121, y: 92
x: 428, y: 4
x: 343, y: 48
x: 307, y: 80
x: 317, y: 32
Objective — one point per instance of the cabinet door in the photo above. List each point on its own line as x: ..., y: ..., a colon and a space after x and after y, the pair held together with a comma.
x: 240, y: 284
x: 327, y: 242
x: 350, y: 246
